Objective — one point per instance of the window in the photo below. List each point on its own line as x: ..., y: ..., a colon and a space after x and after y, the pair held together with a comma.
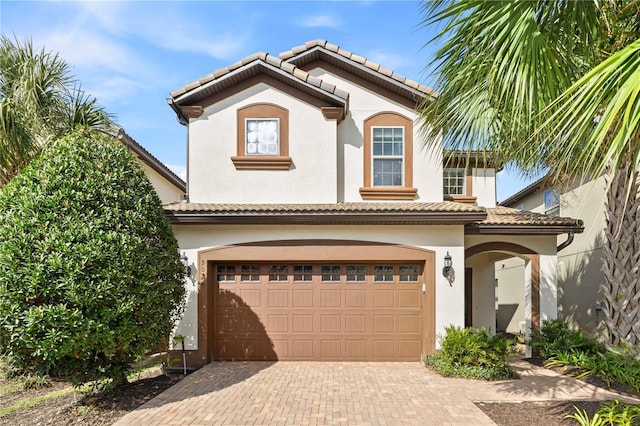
x: 383, y: 273
x: 388, y: 143
x: 551, y: 202
x: 263, y: 138
x: 302, y: 272
x: 388, y: 158
x: 408, y: 273
x: 356, y: 273
x: 249, y: 273
x: 225, y: 273
x: 454, y: 182
x: 330, y: 273
x: 278, y: 273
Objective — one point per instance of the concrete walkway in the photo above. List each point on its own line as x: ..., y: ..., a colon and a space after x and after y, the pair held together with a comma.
x: 354, y: 393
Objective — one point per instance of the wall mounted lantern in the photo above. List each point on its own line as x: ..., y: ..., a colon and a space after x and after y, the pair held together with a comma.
x: 447, y: 270
x: 185, y: 261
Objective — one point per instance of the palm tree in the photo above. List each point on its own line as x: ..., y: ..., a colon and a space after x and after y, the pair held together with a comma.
x: 39, y: 101
x: 551, y: 85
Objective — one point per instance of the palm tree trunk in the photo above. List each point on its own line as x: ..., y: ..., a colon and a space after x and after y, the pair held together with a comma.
x: 621, y: 266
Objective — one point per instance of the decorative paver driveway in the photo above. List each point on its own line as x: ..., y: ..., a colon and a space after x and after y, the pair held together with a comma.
x: 354, y: 393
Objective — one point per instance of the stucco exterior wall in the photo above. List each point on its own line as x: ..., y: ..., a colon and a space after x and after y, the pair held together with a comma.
x: 440, y: 239
x: 427, y: 165
x: 166, y: 191
x: 312, y: 147
x: 484, y: 186
x: 483, y: 291
x: 510, y: 276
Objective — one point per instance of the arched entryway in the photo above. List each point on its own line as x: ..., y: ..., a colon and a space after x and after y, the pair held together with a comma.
x: 532, y: 279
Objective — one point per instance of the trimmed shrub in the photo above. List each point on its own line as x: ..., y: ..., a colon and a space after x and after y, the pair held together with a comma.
x: 90, y: 275
x: 473, y: 353
x: 555, y: 338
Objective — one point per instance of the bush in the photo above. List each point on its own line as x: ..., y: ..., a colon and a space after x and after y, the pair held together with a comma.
x: 562, y: 346
x: 555, y: 338
x: 611, y: 414
x: 90, y: 275
x: 473, y: 353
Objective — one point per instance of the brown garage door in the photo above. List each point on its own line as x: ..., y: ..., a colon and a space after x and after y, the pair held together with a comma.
x: 329, y: 311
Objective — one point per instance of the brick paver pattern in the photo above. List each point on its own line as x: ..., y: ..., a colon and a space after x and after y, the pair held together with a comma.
x: 347, y: 393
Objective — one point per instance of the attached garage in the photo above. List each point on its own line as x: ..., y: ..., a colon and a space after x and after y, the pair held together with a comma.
x: 317, y: 301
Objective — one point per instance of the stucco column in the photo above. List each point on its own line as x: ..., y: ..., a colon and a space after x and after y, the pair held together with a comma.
x: 527, y: 305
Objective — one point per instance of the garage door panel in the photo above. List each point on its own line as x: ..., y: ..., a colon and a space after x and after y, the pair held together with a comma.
x: 317, y: 312
x: 383, y: 298
x: 356, y: 323
x: 331, y: 298
x: 302, y: 323
x: 302, y: 298
x: 409, y: 324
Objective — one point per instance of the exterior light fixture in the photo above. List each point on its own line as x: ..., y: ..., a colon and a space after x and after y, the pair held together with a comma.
x: 447, y: 270
x: 185, y: 262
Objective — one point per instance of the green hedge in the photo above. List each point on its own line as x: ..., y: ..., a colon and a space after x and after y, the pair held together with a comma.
x: 90, y: 275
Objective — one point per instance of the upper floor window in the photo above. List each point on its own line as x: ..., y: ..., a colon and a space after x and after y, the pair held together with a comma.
x: 551, y: 202
x: 262, y: 138
x: 454, y: 182
x: 388, y: 158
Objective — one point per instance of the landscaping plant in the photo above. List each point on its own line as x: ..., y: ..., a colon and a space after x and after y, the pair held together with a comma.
x: 90, y: 274
x: 473, y: 353
x: 612, y: 414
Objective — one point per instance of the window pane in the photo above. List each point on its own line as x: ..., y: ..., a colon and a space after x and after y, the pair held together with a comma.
x: 355, y: 273
x: 383, y: 273
x: 408, y: 273
x: 278, y: 273
x: 225, y: 273
x: 387, y: 172
x: 262, y: 136
x: 302, y: 272
x: 330, y: 273
x: 454, y: 182
x: 249, y: 273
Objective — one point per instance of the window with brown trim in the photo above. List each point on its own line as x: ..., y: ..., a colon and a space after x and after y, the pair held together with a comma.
x: 457, y: 185
x: 388, y: 158
x: 262, y: 138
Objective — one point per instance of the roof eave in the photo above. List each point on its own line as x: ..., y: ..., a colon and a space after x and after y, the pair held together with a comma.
x: 483, y: 229
x: 409, y: 218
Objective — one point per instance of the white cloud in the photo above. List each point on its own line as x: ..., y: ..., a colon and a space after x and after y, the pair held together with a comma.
x: 320, y: 21
x: 390, y: 60
x: 178, y: 169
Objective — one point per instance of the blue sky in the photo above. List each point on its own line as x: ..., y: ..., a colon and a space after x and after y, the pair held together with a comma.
x: 130, y: 55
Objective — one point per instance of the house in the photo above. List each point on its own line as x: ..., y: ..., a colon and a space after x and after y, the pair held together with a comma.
x: 579, y: 264
x: 318, y: 227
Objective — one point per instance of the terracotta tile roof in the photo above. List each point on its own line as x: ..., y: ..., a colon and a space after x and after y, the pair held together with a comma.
x: 507, y: 220
x: 292, y: 53
x: 338, y: 213
x: 356, y: 207
x: 525, y: 192
x: 268, y: 60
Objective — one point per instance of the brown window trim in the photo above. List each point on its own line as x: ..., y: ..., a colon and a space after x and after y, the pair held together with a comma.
x: 406, y: 192
x: 468, y: 198
x: 262, y: 162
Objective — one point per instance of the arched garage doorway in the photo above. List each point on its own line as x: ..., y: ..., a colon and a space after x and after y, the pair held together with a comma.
x: 316, y: 300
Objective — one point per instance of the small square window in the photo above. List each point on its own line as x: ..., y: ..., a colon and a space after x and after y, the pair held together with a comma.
x: 330, y: 273
x: 303, y: 273
x: 225, y: 273
x: 249, y: 273
x: 356, y: 273
x: 454, y: 181
x: 408, y: 273
x: 278, y: 273
x: 262, y: 136
x: 383, y: 273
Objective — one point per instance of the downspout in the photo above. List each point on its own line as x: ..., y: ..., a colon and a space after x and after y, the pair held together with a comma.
x: 567, y: 243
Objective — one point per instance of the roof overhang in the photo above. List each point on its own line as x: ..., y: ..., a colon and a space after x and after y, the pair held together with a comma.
x: 380, y: 76
x: 484, y: 229
x: 328, y: 214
